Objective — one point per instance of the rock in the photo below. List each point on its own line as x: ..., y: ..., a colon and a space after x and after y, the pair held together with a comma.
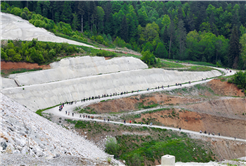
x: 20, y: 142
x: 24, y: 150
x: 10, y: 149
x: 16, y: 152
x: 3, y: 145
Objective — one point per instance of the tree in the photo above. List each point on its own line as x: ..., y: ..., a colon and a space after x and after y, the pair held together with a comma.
x: 66, y: 15
x: 148, y: 58
x: 100, y: 17
x: 132, y: 22
x: 81, y: 9
x: 75, y: 23
x: 161, y: 51
x: 171, y: 36
x: 234, y: 48
x: 181, y: 36
x: 243, y: 48
x: 124, y: 29
x: 111, y: 146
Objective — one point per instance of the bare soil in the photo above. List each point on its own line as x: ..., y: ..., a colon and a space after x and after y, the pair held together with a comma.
x: 225, y: 88
x: 132, y: 103
x: 209, y: 107
x: 21, y: 65
x: 197, y: 121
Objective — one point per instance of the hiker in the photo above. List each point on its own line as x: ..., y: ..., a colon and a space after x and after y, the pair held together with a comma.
x: 108, y: 120
x: 213, y: 134
x: 66, y: 112
x: 189, y: 82
x: 104, y: 119
x: 208, y: 133
x: 141, y: 123
x: 83, y: 116
x: 219, y: 134
x: 151, y: 124
x: 205, y: 132
x: 147, y: 123
x: 180, y: 129
x: 80, y: 116
x: 168, y: 86
x: 180, y: 84
x: 130, y: 121
x: 72, y: 114
x: 125, y: 121
x: 200, y: 131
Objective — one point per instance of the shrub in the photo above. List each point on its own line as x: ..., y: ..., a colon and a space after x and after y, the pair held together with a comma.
x: 4, y: 55
x: 99, y: 39
x: 148, y: 58
x: 111, y: 146
x: 16, y: 58
x: 16, y: 11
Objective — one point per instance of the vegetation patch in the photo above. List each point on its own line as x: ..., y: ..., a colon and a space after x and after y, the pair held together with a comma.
x: 197, y: 68
x: 86, y: 110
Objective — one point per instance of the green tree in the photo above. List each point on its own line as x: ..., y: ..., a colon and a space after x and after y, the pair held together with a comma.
x: 111, y: 146
x: 66, y: 15
x: 16, y: 58
x: 75, y: 23
x: 100, y: 17
x: 243, y: 48
x: 234, y: 48
x: 124, y: 29
x: 3, y: 55
x: 161, y: 51
x: 148, y: 57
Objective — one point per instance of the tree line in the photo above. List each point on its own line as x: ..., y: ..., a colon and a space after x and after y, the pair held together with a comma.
x: 35, y: 51
x: 202, y: 31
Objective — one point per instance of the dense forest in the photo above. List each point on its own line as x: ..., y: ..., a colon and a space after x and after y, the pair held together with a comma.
x: 212, y: 32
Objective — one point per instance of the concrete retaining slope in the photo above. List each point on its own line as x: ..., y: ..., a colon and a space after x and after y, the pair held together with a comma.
x: 78, y: 67
x: 40, y: 96
x: 7, y: 83
x: 14, y: 27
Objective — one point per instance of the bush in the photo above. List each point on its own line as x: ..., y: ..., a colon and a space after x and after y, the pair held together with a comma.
x: 16, y: 11
x: 4, y: 55
x: 239, y: 79
x: 16, y: 58
x: 99, y: 39
x: 148, y: 58
x: 111, y: 146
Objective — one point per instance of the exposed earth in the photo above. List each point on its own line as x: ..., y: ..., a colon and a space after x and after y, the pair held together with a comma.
x: 9, y: 67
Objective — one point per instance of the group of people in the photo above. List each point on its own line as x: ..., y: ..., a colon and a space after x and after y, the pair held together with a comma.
x: 61, y: 107
x: 205, y: 132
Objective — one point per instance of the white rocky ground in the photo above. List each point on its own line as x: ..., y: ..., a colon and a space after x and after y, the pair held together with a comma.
x: 16, y: 28
x: 34, y: 139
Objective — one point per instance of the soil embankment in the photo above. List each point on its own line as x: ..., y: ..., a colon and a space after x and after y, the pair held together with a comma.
x: 225, y: 88
x: 21, y: 65
x: 197, y: 121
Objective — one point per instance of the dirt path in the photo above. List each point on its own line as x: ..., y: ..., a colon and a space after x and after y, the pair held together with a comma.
x: 77, y: 117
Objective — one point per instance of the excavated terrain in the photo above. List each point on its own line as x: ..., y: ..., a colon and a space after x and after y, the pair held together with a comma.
x: 211, y: 107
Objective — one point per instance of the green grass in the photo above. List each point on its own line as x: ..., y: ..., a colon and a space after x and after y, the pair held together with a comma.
x: 24, y: 70
x: 86, y: 110
x: 166, y: 64
x: 39, y: 112
x: 197, y: 68
x: 183, y: 148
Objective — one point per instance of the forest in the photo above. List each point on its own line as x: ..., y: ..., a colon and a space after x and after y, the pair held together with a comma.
x: 213, y: 32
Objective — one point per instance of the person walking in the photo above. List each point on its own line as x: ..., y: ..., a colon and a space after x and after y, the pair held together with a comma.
x: 180, y: 129
x: 130, y: 121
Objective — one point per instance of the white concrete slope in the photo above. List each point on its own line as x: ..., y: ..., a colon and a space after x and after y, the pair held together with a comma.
x: 25, y: 132
x: 40, y: 96
x: 79, y: 67
x: 14, y: 27
x: 7, y: 83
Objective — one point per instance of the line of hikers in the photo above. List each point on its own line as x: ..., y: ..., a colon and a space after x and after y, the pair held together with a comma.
x: 205, y: 132
x: 116, y: 94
